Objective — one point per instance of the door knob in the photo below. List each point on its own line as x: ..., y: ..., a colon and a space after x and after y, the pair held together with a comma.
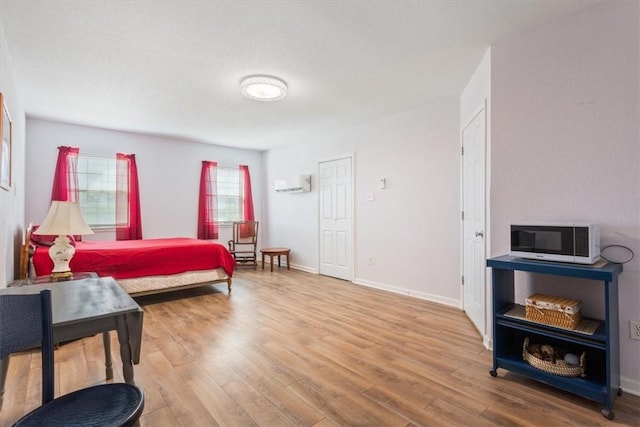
x: 479, y: 234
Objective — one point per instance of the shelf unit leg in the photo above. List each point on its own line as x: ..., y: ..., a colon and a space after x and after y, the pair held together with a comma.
x: 608, y: 414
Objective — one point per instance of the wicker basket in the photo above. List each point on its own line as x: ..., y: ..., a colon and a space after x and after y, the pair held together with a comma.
x: 554, y: 311
x: 559, y: 367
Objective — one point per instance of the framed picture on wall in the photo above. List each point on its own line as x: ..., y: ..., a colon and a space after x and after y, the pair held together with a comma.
x: 7, y: 140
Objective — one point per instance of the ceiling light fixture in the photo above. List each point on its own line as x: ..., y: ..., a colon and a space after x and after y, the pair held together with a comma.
x: 263, y: 88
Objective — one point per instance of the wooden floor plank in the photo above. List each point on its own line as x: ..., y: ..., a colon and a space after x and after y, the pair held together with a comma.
x: 261, y: 409
x: 412, y: 411
x: 280, y: 396
x: 223, y: 410
x: 179, y: 394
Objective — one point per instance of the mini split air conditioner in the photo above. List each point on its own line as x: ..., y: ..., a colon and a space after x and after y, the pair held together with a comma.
x: 301, y: 184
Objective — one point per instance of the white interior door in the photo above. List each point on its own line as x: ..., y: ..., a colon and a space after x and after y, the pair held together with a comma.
x: 335, y: 189
x: 473, y: 228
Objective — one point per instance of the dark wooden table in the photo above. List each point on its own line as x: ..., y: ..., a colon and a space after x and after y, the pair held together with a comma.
x: 85, y: 307
x: 271, y: 252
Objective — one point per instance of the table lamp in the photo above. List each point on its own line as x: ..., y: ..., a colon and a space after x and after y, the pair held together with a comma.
x: 63, y: 218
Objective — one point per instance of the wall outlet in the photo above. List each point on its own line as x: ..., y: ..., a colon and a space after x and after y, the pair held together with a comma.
x: 370, y: 261
x: 634, y: 327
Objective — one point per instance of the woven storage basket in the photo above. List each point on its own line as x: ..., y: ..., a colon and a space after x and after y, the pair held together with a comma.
x: 559, y: 367
x: 554, y: 311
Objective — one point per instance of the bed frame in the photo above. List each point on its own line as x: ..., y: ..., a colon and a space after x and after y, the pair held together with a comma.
x: 141, y: 285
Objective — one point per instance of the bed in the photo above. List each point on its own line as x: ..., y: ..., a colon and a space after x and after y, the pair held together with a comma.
x: 147, y: 266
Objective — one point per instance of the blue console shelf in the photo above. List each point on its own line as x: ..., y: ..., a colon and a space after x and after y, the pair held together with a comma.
x: 602, y: 379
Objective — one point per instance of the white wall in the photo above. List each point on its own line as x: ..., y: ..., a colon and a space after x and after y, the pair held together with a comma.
x: 12, y: 201
x: 565, y: 145
x: 411, y: 230
x: 168, y: 173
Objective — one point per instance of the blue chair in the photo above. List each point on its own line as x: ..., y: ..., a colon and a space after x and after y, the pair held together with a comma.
x: 26, y: 322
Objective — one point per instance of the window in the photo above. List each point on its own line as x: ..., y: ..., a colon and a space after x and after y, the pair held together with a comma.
x: 224, y: 197
x: 229, y: 195
x: 97, y: 190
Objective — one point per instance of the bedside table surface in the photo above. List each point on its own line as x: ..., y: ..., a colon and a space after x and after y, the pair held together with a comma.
x: 41, y: 280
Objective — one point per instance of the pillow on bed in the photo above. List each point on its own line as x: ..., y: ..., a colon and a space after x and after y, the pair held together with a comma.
x: 42, y: 240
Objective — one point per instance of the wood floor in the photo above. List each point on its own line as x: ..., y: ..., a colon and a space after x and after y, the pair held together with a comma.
x: 295, y: 349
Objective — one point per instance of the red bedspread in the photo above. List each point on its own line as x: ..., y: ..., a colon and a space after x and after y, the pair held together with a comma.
x: 126, y: 259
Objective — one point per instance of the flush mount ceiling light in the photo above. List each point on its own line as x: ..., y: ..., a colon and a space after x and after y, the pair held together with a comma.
x: 263, y: 88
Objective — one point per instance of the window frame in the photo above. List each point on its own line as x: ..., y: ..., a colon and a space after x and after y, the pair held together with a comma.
x: 240, y: 196
x: 84, y: 191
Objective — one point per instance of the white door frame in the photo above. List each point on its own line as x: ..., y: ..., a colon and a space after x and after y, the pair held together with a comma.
x: 350, y: 156
x: 481, y: 109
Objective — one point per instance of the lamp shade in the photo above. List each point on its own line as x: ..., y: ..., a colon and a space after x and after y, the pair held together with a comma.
x: 63, y: 218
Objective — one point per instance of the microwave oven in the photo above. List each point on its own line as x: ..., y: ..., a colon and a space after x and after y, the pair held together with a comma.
x: 575, y: 243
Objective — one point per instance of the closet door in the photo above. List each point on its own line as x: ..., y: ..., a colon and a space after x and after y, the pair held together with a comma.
x: 336, y: 218
x: 473, y: 224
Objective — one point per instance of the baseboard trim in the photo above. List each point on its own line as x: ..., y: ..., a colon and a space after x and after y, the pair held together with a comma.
x: 629, y: 385
x: 488, y: 342
x: 291, y: 265
x: 409, y: 292
x: 304, y: 268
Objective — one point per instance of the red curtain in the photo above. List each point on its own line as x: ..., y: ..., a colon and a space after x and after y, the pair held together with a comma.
x: 247, y: 202
x: 65, y: 178
x: 208, y: 201
x: 128, y: 219
x: 245, y: 190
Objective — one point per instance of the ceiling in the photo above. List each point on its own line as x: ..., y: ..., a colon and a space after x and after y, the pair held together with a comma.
x: 173, y: 68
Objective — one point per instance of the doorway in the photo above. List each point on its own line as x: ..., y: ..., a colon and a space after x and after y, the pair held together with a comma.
x: 473, y: 219
x: 335, y: 189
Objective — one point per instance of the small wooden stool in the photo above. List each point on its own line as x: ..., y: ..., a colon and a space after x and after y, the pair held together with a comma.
x: 271, y: 252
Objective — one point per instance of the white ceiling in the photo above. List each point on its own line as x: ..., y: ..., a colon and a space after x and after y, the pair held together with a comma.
x: 174, y: 67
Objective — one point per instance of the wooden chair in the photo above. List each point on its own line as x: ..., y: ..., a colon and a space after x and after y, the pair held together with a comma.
x: 244, y: 244
x: 26, y: 322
